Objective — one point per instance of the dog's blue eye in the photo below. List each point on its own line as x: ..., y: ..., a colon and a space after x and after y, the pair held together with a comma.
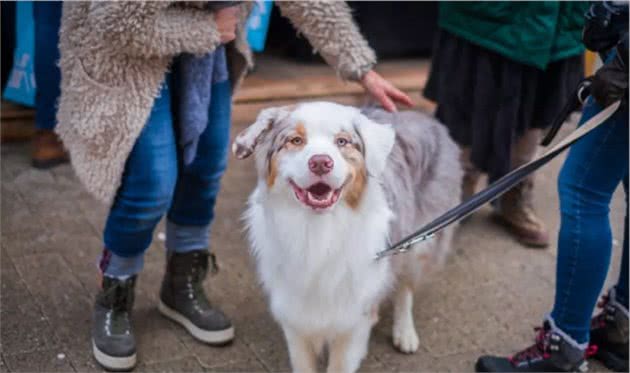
x: 341, y: 141
x: 296, y: 141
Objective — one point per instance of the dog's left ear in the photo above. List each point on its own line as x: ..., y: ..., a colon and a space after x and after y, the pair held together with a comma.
x: 378, y: 141
x: 246, y: 141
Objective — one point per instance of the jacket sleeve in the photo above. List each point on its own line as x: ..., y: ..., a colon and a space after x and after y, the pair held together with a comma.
x: 329, y: 27
x: 154, y: 28
x: 606, y: 22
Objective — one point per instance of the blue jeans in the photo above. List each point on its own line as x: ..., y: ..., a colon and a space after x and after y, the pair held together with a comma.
x: 47, y: 16
x: 594, y: 168
x: 155, y: 182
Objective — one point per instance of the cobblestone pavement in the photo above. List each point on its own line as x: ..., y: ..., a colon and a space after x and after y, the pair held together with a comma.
x: 487, y: 299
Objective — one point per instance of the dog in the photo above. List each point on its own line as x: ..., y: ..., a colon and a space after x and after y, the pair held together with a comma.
x: 336, y: 185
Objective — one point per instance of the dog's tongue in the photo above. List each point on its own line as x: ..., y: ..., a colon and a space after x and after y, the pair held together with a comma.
x: 320, y: 191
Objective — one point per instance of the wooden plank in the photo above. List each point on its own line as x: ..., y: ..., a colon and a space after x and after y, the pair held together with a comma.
x: 9, y: 110
x: 278, y: 79
x: 246, y: 112
x: 16, y: 130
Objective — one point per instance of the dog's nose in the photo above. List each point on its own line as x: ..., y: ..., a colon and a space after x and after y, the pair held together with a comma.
x: 320, y: 164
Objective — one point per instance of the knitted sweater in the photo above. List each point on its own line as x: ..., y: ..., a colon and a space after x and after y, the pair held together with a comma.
x: 114, y: 56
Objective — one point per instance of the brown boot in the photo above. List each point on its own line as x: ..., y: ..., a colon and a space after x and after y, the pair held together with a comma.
x: 516, y: 211
x: 47, y: 150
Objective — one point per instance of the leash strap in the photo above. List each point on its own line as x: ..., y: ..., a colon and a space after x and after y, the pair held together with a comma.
x: 496, y: 189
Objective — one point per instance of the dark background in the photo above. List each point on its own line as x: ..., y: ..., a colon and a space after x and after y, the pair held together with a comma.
x: 395, y: 29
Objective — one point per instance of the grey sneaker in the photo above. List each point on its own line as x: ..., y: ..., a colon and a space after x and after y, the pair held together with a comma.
x: 113, y: 342
x: 183, y: 300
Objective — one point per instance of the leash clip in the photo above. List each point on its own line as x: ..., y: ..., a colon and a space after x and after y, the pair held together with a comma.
x: 403, y: 247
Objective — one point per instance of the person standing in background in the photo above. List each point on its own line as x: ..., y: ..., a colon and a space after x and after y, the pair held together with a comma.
x: 47, y: 151
x: 594, y: 168
x: 499, y: 73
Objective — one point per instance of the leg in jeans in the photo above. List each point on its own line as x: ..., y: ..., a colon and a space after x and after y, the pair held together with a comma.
x: 182, y: 297
x: 142, y: 199
x: 593, y: 170
x: 198, y: 184
x: 47, y: 15
x: 145, y: 193
x: 47, y: 150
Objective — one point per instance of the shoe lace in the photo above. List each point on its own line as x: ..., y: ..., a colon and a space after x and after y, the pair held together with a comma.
x: 537, y: 350
x: 591, y: 350
x: 118, y: 321
x: 118, y: 315
x: 195, y: 282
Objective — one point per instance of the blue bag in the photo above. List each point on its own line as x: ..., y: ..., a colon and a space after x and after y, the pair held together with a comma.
x: 20, y: 86
x: 258, y: 24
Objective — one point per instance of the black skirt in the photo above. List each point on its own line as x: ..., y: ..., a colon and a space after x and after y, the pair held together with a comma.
x: 487, y: 100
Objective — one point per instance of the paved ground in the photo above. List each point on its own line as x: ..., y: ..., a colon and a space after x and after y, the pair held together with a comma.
x: 487, y: 299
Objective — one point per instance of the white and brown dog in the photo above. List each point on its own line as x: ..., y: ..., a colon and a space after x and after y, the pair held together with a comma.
x: 335, y: 186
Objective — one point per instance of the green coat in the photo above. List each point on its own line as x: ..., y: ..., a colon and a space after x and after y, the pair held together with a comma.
x: 533, y: 33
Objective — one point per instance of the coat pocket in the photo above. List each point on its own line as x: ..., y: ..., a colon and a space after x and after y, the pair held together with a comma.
x: 96, y: 115
x: 83, y: 71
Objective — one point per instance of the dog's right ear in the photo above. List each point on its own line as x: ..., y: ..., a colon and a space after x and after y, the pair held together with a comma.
x: 246, y: 141
x: 378, y: 140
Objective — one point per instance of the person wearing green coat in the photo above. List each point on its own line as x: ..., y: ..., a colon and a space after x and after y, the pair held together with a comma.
x: 500, y: 72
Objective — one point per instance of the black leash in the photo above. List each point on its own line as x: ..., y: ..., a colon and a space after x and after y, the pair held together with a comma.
x: 576, y: 100
x: 505, y: 183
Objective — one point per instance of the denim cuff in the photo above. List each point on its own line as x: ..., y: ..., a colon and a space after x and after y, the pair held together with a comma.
x: 112, y: 265
x: 186, y: 238
x: 565, y: 336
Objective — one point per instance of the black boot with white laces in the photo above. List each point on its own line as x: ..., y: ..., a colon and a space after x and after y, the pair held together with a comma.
x: 113, y: 342
x: 183, y: 300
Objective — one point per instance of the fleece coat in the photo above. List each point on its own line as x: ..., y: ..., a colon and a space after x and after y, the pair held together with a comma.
x: 114, y: 56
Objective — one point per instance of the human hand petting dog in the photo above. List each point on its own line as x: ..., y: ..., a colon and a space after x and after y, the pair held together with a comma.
x: 384, y: 91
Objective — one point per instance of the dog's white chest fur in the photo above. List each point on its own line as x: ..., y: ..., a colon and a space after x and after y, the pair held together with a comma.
x: 319, y: 269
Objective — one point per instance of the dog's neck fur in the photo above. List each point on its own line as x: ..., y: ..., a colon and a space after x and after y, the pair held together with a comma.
x: 319, y: 258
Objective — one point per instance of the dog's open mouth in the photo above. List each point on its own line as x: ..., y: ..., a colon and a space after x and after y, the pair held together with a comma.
x: 318, y: 196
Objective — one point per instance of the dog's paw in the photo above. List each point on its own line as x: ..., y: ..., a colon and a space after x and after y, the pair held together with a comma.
x: 406, y: 339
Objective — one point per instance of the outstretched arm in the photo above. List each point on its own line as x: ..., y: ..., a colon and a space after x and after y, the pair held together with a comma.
x: 329, y: 27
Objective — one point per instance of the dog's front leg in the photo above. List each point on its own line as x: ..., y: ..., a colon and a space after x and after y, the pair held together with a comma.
x: 404, y: 333
x: 301, y: 351
x: 347, y: 350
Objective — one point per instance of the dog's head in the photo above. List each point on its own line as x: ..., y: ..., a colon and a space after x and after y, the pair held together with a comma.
x: 319, y: 152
